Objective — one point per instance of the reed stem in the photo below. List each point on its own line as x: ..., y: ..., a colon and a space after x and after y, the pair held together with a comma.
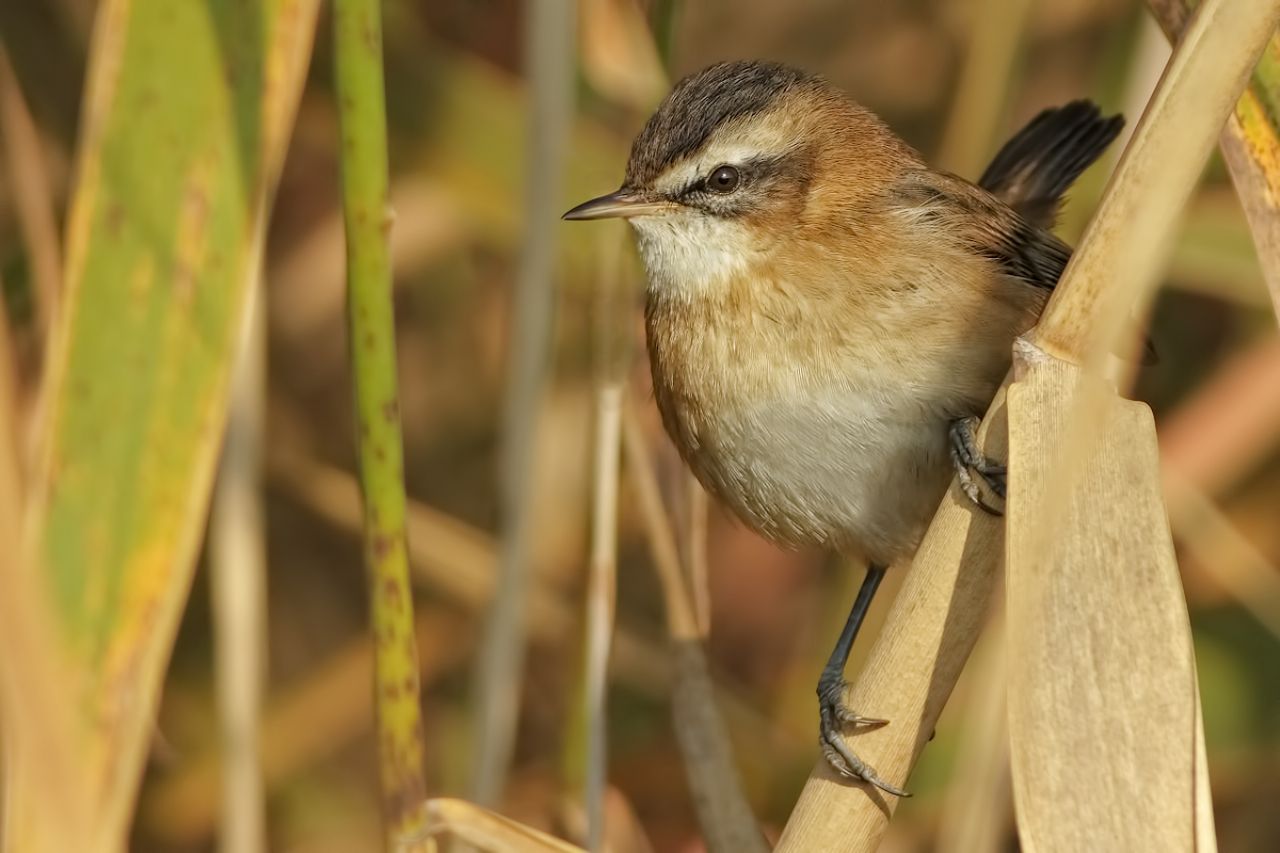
x: 357, y: 29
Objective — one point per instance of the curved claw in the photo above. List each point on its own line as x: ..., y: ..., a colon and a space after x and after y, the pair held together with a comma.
x: 854, y: 719
x: 832, y: 711
x: 846, y: 763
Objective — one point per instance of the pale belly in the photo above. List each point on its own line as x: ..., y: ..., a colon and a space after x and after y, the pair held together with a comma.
x: 862, y: 474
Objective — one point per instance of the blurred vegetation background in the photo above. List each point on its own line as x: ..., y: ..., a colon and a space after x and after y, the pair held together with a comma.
x: 954, y: 80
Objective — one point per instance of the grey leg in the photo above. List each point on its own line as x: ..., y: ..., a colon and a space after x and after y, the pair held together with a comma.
x: 833, y: 713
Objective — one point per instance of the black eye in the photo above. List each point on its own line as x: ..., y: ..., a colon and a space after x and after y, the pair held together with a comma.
x: 723, y: 180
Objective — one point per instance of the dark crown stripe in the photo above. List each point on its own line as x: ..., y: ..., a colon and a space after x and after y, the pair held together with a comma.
x: 701, y: 103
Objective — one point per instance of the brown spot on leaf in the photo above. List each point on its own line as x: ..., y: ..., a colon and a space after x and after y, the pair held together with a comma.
x: 115, y: 217
x: 391, y: 590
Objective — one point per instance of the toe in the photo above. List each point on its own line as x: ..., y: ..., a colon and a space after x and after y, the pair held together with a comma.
x: 845, y: 762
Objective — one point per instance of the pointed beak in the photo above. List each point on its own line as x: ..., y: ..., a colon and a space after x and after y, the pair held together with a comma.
x: 622, y: 204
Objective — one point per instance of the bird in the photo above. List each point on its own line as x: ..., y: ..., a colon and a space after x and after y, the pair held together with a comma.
x: 827, y: 316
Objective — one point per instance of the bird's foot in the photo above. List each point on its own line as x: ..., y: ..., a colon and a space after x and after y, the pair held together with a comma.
x: 834, y: 714
x: 969, y: 460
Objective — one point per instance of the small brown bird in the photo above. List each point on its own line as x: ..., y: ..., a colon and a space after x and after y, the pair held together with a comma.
x: 827, y: 316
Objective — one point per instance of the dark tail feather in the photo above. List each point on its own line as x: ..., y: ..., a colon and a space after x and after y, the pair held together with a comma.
x: 1034, y: 169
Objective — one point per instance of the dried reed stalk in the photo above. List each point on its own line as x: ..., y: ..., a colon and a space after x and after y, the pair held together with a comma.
x: 1250, y: 143
x: 935, y: 619
x: 610, y: 356
x: 723, y: 813
x: 600, y: 592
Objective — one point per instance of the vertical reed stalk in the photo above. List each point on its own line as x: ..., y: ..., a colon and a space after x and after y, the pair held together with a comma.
x: 237, y: 579
x: 601, y: 589
x: 549, y: 57
x: 371, y: 338
x: 610, y: 356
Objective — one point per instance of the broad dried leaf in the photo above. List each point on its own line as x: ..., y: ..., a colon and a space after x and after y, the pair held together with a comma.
x: 1103, y: 704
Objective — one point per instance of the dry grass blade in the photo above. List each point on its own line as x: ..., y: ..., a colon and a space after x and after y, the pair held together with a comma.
x: 32, y: 194
x: 237, y: 579
x: 1223, y: 551
x: 682, y: 623
x: 459, y: 821
x: 549, y: 58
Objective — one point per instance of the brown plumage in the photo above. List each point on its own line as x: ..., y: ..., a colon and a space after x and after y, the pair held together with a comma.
x: 826, y: 314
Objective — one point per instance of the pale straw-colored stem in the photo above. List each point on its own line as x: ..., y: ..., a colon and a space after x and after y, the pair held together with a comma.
x: 601, y: 588
x: 237, y: 578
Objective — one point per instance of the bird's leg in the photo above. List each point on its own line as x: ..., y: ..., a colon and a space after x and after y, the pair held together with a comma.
x: 832, y: 710
x: 966, y: 457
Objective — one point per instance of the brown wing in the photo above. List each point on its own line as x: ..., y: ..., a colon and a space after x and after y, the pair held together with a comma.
x: 990, y: 228
x: 986, y: 226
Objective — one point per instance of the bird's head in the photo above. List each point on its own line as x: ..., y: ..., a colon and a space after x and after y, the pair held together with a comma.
x: 739, y: 159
